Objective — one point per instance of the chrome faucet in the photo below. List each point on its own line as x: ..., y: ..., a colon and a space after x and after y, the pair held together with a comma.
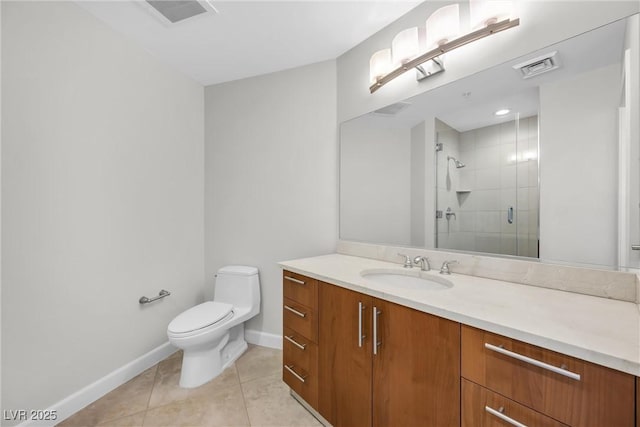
x: 423, y: 261
x: 407, y: 261
x: 445, y: 267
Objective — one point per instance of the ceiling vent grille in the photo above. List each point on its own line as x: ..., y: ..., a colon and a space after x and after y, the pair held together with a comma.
x: 538, y: 65
x: 178, y: 10
x: 393, y: 109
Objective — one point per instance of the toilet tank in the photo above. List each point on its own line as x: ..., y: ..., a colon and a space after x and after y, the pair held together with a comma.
x: 238, y: 285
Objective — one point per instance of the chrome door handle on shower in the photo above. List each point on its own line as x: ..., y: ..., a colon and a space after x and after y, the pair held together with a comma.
x: 635, y: 247
x: 510, y: 215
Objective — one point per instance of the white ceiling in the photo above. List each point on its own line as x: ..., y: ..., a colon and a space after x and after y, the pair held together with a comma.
x: 249, y: 38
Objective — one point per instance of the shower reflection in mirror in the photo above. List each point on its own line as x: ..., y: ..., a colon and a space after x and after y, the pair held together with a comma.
x: 487, y: 181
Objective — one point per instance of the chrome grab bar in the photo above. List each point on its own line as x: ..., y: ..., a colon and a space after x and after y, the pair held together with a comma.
x: 294, y: 311
x: 294, y: 280
x: 533, y: 362
x: 294, y: 373
x: 499, y: 413
x: 162, y: 294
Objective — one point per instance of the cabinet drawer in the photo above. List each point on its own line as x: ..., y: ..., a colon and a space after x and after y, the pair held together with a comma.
x: 300, y: 372
x: 599, y: 397
x: 483, y: 408
x: 299, y: 350
x: 301, y: 289
x: 301, y: 319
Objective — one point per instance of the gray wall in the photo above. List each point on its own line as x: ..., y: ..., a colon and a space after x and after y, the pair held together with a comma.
x: 578, y: 209
x: 375, y: 182
x: 271, y: 176
x: 102, y: 200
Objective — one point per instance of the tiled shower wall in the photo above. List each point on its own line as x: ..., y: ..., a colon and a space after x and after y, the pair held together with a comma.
x: 501, y: 172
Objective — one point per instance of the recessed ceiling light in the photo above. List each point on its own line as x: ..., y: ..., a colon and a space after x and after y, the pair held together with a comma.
x: 502, y: 112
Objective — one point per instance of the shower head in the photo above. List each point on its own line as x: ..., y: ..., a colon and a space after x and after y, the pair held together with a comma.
x: 457, y: 162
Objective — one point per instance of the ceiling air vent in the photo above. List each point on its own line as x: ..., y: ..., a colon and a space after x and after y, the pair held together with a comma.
x: 539, y: 65
x: 393, y: 109
x: 179, y: 10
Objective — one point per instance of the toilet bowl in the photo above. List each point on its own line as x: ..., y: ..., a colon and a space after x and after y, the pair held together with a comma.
x: 211, y: 334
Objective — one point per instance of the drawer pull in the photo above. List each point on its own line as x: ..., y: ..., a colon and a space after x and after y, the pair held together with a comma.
x: 376, y: 343
x: 294, y: 311
x: 360, y: 335
x: 534, y: 362
x: 294, y: 342
x: 294, y: 280
x: 290, y: 369
x: 502, y: 416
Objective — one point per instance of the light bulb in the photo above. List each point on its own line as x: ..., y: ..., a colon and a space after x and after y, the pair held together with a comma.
x: 487, y: 12
x: 404, y: 46
x: 443, y: 26
x: 379, y: 65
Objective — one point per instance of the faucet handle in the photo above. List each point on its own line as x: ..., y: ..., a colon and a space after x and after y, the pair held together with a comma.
x: 445, y: 266
x: 407, y: 261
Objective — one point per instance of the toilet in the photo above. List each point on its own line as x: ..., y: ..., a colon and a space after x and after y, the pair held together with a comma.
x: 211, y: 334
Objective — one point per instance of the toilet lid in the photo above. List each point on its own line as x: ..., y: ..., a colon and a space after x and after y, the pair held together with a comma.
x: 200, y: 316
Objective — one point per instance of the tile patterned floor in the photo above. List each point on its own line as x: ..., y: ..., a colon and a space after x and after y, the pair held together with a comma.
x: 249, y: 393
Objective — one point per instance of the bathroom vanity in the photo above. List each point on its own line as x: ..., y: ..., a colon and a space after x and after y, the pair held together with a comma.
x: 481, y: 352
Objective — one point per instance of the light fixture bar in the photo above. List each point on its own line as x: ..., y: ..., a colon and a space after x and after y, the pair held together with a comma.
x: 447, y: 47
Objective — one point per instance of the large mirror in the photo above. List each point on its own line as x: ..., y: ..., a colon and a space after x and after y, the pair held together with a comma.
x: 554, y: 176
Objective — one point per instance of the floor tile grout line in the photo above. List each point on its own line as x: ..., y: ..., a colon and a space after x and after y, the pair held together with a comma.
x: 244, y: 400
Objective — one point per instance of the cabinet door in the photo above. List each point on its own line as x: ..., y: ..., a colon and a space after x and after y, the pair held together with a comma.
x: 416, y: 371
x: 344, y: 360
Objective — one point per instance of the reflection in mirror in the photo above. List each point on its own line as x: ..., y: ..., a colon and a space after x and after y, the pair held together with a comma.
x: 487, y: 183
x: 554, y: 178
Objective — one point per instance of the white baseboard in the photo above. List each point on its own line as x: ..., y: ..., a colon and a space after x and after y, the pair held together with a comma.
x: 89, y: 394
x: 263, y: 339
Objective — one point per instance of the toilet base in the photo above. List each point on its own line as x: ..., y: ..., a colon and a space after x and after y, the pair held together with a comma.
x: 199, y: 366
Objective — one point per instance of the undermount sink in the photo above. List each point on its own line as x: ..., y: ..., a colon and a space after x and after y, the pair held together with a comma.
x: 407, y: 279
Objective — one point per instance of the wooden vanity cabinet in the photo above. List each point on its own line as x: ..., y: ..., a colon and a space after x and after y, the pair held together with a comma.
x: 300, y: 333
x: 529, y: 375
x: 411, y: 379
x: 429, y: 371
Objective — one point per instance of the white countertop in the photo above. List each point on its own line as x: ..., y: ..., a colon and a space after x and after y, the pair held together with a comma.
x: 599, y: 330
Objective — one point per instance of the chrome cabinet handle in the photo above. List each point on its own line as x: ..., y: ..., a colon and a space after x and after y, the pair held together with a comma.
x: 294, y: 311
x: 510, y: 215
x: 294, y: 280
x: 294, y: 342
x: 361, y: 337
x: 533, y: 362
x: 376, y: 343
x: 294, y: 373
x: 503, y: 417
x: 635, y: 247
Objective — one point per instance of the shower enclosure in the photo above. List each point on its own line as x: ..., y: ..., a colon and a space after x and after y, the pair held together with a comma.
x: 487, y: 187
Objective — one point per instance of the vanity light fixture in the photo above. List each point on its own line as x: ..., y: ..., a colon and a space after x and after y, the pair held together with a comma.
x: 442, y: 36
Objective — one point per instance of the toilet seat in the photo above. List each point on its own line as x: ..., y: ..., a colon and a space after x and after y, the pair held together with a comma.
x: 200, y: 317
